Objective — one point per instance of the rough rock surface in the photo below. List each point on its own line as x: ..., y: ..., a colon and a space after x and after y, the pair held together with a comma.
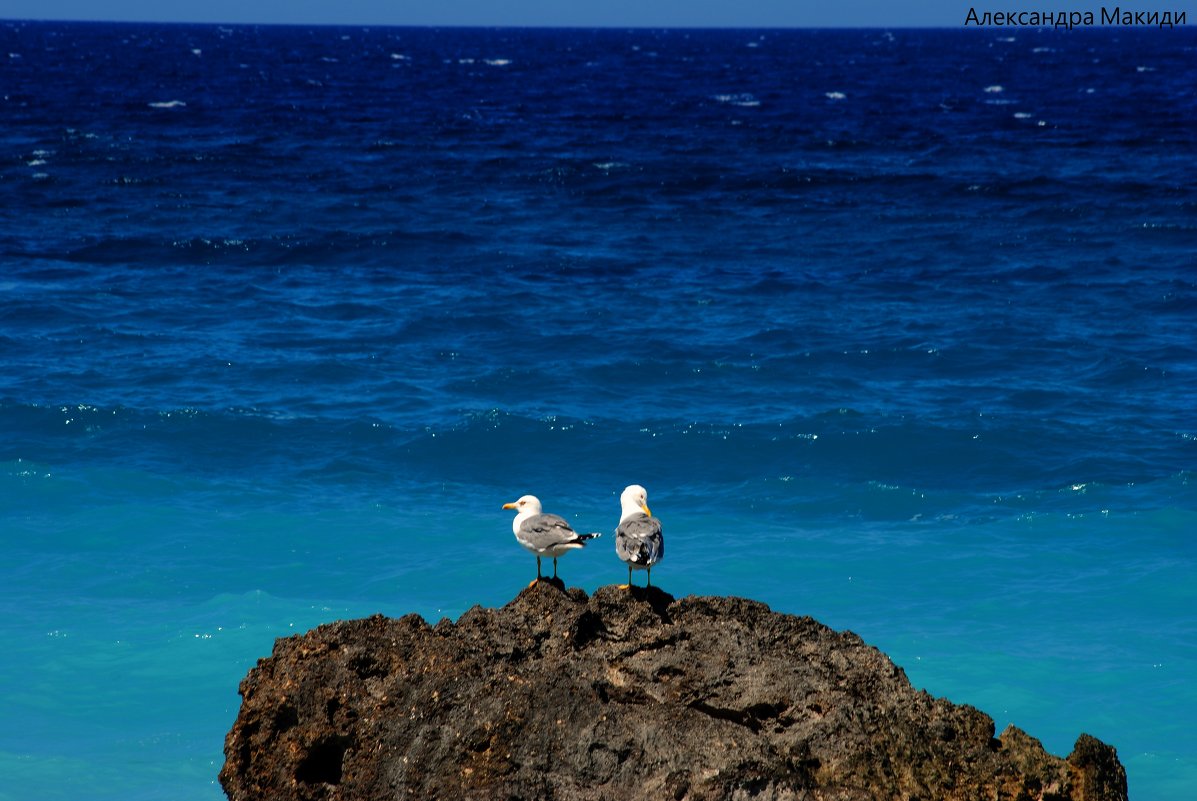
x: 622, y: 695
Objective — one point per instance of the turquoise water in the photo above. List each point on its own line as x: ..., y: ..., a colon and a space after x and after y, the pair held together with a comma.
x: 282, y: 326
x: 133, y: 618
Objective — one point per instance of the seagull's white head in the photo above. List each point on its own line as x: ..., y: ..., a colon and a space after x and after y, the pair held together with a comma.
x: 634, y: 500
x: 526, y: 506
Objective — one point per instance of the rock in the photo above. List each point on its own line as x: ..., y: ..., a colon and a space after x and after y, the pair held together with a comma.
x: 622, y: 695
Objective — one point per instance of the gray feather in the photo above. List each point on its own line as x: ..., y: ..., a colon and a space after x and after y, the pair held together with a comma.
x: 638, y: 540
x: 544, y: 531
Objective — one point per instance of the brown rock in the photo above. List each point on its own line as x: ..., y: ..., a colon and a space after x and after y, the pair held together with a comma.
x: 622, y: 695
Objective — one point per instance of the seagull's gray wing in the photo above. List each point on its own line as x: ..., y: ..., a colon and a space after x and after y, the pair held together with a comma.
x: 544, y: 531
x: 639, y: 540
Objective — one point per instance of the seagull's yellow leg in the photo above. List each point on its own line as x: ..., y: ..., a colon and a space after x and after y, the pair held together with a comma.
x: 627, y: 586
x: 537, y: 579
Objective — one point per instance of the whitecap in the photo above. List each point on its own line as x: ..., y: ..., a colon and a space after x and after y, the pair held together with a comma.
x: 330, y: 60
x: 835, y: 95
x: 465, y: 61
x: 195, y: 51
x: 1144, y: 69
x: 996, y: 88
x: 168, y: 104
x: 753, y: 44
x: 607, y: 166
x: 35, y: 163
x: 739, y: 99
x: 498, y: 62
x: 400, y: 57
x: 1022, y: 115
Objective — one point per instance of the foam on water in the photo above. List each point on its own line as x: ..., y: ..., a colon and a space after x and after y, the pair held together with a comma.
x: 742, y: 99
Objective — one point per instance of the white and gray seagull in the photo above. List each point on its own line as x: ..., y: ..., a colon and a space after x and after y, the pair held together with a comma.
x: 638, y: 538
x: 543, y: 534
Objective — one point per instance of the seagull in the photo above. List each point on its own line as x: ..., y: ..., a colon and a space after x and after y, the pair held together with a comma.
x: 543, y: 534
x: 638, y: 539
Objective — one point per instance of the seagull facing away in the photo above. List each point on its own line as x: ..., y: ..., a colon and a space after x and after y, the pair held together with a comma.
x: 543, y: 534
x: 638, y: 539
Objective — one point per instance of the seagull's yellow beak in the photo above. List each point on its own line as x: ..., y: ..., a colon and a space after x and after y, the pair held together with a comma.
x: 644, y: 506
x: 512, y: 505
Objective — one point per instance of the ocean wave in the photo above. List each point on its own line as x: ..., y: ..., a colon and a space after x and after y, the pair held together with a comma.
x: 742, y: 99
x: 323, y: 248
x: 496, y: 448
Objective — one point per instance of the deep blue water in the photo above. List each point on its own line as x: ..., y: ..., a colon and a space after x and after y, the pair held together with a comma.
x: 898, y: 328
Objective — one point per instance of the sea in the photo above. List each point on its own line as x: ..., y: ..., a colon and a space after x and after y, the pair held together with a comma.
x: 897, y: 327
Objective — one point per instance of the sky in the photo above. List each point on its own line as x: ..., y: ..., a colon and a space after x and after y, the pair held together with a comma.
x: 516, y: 13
